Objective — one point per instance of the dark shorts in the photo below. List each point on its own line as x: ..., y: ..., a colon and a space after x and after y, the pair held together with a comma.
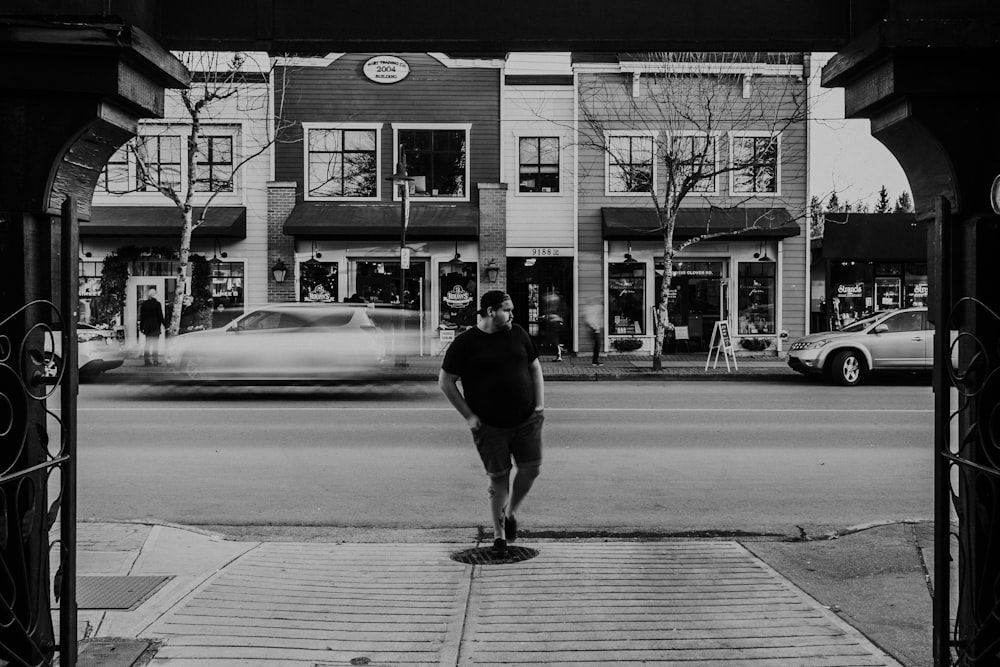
x: 497, y: 445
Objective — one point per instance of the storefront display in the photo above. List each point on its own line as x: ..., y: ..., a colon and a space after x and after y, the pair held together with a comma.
x: 318, y: 281
x: 541, y: 290
x: 626, y: 298
x: 756, y: 298
x: 458, y: 297
x: 227, y: 292
x: 695, y: 300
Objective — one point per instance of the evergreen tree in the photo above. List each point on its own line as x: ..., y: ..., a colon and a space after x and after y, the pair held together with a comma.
x: 903, y: 203
x: 882, y: 206
x: 815, y: 217
x: 833, y: 203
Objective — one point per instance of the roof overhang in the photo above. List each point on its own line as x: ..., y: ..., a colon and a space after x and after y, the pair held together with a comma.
x: 164, y: 221
x: 888, y: 237
x: 631, y: 223
x: 325, y: 220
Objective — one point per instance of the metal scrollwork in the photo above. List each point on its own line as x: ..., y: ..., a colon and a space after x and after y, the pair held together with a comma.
x: 30, y: 472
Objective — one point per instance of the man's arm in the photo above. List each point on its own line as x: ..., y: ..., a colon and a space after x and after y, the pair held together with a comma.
x: 539, y: 384
x: 448, y: 383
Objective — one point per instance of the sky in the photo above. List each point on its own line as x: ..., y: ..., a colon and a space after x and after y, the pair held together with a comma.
x: 845, y: 158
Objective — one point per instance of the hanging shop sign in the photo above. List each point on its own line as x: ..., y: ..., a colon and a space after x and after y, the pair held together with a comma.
x: 848, y: 290
x: 386, y: 69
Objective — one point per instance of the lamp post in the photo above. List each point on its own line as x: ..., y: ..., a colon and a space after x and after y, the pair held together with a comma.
x: 401, y: 181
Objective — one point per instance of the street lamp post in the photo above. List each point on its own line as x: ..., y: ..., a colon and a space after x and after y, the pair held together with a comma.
x: 401, y: 181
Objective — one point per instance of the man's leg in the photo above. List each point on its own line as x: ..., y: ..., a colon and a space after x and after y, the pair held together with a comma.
x: 524, y: 477
x: 499, y: 495
x: 595, y: 337
x: 146, y: 350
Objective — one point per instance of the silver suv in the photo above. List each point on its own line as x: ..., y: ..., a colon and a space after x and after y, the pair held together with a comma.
x: 893, y: 340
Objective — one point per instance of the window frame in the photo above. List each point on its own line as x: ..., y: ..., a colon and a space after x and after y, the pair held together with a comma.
x: 714, y: 137
x: 307, y: 127
x: 211, y: 165
x: 141, y: 139
x: 770, y: 286
x: 518, y: 163
x: 754, y: 134
x: 464, y: 127
x: 611, y: 134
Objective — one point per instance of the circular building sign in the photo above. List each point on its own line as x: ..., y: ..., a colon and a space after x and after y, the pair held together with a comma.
x: 386, y: 69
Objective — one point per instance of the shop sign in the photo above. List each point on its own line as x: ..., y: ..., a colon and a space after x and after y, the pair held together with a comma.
x: 920, y: 290
x: 851, y: 290
x: 386, y: 69
x: 457, y: 297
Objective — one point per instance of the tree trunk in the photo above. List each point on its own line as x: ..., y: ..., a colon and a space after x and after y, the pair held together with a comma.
x: 183, y: 275
x: 662, y: 320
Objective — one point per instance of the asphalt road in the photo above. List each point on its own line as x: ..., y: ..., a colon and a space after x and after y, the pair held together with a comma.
x: 620, y: 457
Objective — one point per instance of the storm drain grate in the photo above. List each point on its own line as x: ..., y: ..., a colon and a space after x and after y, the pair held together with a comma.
x: 110, y: 652
x: 486, y: 556
x: 94, y: 592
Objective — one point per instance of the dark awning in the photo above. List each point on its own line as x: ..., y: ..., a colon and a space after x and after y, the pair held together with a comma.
x: 889, y: 237
x: 322, y: 220
x: 621, y: 223
x: 221, y: 221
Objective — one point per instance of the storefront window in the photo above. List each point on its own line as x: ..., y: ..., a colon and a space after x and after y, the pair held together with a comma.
x: 458, y: 296
x: 318, y: 281
x: 626, y: 298
x: 227, y: 292
x: 851, y: 297
x: 436, y: 161
x: 915, y: 285
x: 90, y: 289
x: 342, y: 162
x: 378, y: 282
x: 756, y: 298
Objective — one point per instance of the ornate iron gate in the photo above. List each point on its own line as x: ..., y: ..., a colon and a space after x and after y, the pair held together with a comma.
x: 967, y: 441
x: 34, y: 467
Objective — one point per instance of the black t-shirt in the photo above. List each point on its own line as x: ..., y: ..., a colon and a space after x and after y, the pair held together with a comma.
x: 495, y: 369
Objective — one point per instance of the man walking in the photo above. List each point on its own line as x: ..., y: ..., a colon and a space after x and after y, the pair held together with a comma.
x: 595, y: 322
x: 151, y: 322
x: 502, y: 399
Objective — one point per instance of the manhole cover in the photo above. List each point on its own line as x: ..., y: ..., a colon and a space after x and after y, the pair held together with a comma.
x: 105, y: 592
x: 486, y: 555
x: 110, y: 652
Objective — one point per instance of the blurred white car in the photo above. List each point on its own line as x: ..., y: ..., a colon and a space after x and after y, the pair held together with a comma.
x: 98, y: 350
x: 293, y: 342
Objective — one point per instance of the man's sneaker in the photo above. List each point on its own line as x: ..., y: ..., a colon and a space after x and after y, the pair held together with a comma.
x: 510, y: 528
x: 500, y: 548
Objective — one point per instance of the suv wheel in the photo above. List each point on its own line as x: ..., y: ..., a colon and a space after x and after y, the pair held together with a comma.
x: 847, y: 368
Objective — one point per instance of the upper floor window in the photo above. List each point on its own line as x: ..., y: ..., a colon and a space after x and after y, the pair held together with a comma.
x: 159, y: 162
x: 630, y: 164
x: 755, y: 162
x: 342, y: 162
x: 539, y: 164
x: 115, y: 177
x: 696, y: 156
x: 214, y: 164
x: 437, y: 160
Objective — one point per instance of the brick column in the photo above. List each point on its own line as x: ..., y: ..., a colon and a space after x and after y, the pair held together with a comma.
x: 280, y: 202
x: 492, y: 233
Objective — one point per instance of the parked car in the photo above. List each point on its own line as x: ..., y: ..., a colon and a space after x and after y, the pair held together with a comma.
x: 296, y: 342
x: 98, y: 350
x: 894, y: 340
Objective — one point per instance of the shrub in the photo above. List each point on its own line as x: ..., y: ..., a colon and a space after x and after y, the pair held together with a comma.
x: 626, y: 344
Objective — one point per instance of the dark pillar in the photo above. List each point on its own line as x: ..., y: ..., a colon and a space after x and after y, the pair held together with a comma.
x: 934, y: 107
x: 69, y: 97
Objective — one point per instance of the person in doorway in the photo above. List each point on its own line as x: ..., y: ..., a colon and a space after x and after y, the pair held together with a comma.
x: 151, y: 323
x: 555, y: 321
x: 502, y: 400
x: 595, y: 322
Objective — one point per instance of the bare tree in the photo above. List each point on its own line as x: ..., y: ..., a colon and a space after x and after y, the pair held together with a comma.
x: 688, y: 103
x: 223, y: 84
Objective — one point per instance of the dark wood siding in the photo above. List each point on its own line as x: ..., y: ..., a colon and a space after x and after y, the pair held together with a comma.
x: 431, y: 93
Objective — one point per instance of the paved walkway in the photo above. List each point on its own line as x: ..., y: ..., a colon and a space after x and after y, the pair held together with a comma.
x: 674, y: 602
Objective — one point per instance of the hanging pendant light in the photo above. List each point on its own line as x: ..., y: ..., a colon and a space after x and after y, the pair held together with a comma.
x: 456, y: 262
x: 629, y: 259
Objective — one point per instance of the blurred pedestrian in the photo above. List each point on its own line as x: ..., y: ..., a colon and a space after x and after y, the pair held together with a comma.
x: 594, y: 318
x: 502, y: 399
x: 151, y: 323
x: 555, y: 321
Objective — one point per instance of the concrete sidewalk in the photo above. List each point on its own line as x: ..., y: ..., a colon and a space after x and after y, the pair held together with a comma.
x: 600, y: 602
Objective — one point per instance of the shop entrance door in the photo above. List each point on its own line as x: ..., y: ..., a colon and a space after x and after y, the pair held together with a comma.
x: 541, y: 290
x: 379, y: 281
x: 136, y: 289
x: 696, y: 302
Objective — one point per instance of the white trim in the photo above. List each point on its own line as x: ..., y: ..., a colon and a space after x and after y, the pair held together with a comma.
x: 779, y: 311
x: 483, y: 63
x: 574, y: 140
x: 608, y: 135
x: 466, y: 127
x: 306, y: 61
x: 541, y: 134
x: 752, y: 69
x: 715, y: 179
x: 309, y: 126
x: 733, y: 135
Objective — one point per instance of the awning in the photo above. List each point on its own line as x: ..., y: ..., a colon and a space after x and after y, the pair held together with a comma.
x: 164, y: 221
x: 888, y: 237
x: 323, y: 220
x: 621, y: 223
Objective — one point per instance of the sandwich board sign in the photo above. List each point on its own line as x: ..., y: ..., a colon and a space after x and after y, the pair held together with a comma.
x: 722, y: 341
